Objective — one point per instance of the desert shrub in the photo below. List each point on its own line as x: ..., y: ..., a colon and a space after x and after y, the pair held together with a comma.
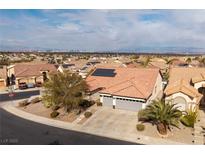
x: 88, y: 114
x: 55, y: 108
x: 23, y: 103
x: 86, y: 103
x: 140, y: 127
x: 189, y: 118
x: 99, y: 104
x: 35, y: 100
x: 54, y: 114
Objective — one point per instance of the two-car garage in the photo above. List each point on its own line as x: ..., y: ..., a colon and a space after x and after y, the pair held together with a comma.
x: 122, y: 102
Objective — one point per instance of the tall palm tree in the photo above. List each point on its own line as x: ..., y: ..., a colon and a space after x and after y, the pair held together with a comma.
x: 162, y: 114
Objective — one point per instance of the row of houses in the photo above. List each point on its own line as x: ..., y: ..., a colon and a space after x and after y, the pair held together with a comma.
x: 123, y: 87
x: 135, y: 88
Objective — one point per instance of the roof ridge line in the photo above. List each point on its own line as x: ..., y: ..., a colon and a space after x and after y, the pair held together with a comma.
x: 133, y: 84
x: 119, y: 83
x: 26, y: 69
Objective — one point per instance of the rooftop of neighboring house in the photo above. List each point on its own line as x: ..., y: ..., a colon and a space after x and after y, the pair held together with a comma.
x: 181, y: 78
x: 127, y: 82
x: 186, y: 73
x: 22, y: 70
x: 3, y: 72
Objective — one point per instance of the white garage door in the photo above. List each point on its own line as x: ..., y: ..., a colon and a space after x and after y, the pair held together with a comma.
x: 127, y: 104
x: 107, y: 101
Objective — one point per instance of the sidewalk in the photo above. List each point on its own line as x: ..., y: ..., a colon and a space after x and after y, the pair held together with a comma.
x: 76, y: 127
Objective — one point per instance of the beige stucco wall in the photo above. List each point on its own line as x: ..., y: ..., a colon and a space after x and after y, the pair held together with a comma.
x: 158, y: 88
x: 199, y: 84
x: 189, y: 102
x: 10, y: 70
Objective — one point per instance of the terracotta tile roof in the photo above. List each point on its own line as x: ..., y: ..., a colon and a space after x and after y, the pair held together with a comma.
x: 183, y: 87
x: 22, y: 70
x: 178, y: 73
x: 180, y: 79
x: 128, y: 82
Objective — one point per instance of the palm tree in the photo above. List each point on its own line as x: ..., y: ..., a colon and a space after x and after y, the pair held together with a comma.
x: 162, y: 114
x: 64, y: 89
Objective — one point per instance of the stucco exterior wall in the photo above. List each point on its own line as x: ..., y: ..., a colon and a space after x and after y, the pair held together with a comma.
x: 157, y: 91
x: 199, y: 84
x: 10, y: 70
x: 189, y: 101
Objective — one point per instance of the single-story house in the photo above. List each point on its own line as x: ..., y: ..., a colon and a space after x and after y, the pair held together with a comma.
x: 31, y: 73
x: 65, y: 67
x: 125, y: 88
x: 186, y: 87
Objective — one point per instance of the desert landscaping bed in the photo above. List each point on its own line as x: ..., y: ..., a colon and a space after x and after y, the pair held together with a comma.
x: 40, y: 110
x: 183, y: 135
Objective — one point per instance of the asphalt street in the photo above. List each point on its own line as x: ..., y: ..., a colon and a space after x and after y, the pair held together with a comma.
x: 18, y: 95
x: 15, y: 130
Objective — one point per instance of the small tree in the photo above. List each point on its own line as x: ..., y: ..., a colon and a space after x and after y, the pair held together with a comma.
x: 146, y: 62
x: 188, y: 60
x: 64, y: 89
x: 162, y: 114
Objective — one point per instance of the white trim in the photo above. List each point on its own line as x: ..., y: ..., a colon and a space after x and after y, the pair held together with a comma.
x: 129, y: 98
x: 104, y: 94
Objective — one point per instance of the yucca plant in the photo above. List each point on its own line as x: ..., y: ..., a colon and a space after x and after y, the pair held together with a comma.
x: 162, y: 114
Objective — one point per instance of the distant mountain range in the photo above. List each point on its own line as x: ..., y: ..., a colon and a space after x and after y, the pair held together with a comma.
x: 160, y: 50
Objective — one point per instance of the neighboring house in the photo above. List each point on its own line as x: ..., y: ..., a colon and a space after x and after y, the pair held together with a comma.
x: 125, y: 88
x: 179, y: 63
x: 3, y: 77
x: 186, y: 87
x: 65, y: 67
x: 85, y: 71
x: 31, y: 73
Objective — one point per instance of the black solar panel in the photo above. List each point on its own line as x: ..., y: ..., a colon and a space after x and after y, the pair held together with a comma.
x: 104, y: 72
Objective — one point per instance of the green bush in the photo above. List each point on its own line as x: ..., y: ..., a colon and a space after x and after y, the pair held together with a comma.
x: 190, y: 117
x: 55, y: 108
x: 99, y: 104
x: 23, y: 103
x: 140, y: 127
x: 86, y: 103
x: 54, y: 114
x: 188, y: 120
x: 88, y: 114
x: 35, y: 100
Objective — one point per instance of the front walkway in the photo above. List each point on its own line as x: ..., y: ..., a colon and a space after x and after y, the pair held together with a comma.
x: 95, y: 127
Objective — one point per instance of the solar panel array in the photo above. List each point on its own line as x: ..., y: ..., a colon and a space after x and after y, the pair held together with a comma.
x: 104, y: 72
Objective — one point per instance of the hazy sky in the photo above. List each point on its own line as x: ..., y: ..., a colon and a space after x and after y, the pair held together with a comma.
x: 102, y: 29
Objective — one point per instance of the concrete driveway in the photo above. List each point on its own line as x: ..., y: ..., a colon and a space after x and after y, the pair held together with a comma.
x: 108, y: 121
